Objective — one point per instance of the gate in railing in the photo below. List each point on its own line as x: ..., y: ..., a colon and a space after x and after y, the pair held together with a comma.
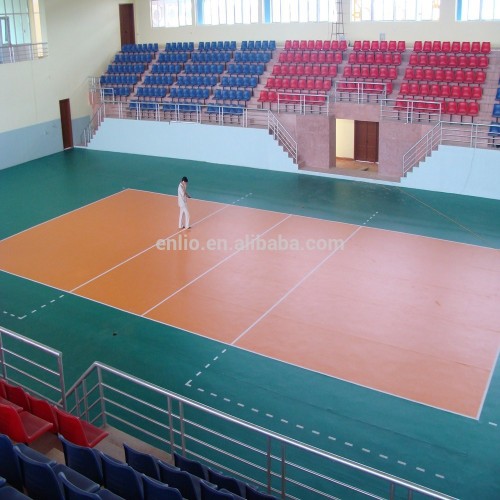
x: 32, y: 365
x: 285, y: 467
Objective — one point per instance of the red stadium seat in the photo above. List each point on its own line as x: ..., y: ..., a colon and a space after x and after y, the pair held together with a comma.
x: 300, y: 70
x: 427, y: 46
x: 429, y: 74
x: 417, y: 46
x: 475, y: 47
x: 472, y: 61
x: 44, y: 410
x: 413, y: 59
x: 434, y: 90
x: 479, y: 76
x: 318, y: 45
x: 465, y: 48
x: 450, y: 108
x: 276, y: 69
x: 334, y: 45
x: 306, y: 57
x: 292, y: 70
x: 361, y: 58
x: 443, y: 60
x: 330, y: 58
x: 327, y: 85
x: 356, y: 71
x: 379, y: 58
x: 365, y: 45
x: 409, y: 74
x: 310, y: 44
x: 342, y: 45
x: 332, y: 71
x: 473, y: 109
x: 477, y: 92
x: 439, y: 75
x: 462, y: 62
x: 436, y: 46
x: 483, y: 62
x: 404, y: 89
x: 370, y: 58
x: 327, y: 44
x: 401, y: 46
x: 18, y: 396
x: 316, y: 70
x: 383, y: 46
x: 22, y: 427
x: 392, y: 46
x: 452, y: 61
x: 352, y: 59
x: 466, y: 92
x: 445, y: 91
x: 414, y: 89
x: 396, y: 59
x: 295, y: 45
x: 486, y: 47
x: 455, y: 92
x: 78, y: 431
x: 423, y: 60
x: 432, y: 60
x: 455, y: 47
x: 338, y: 57
x: 449, y: 76
x: 383, y: 73
x: 271, y: 83
x: 263, y: 96
x: 321, y: 58
x: 418, y: 74
x: 424, y: 89
x: 446, y: 47
x: 374, y: 45
x: 459, y: 76
x: 374, y: 72
x: 356, y: 45
x: 288, y: 44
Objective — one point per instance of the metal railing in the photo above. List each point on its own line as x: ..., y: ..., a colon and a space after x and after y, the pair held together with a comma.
x: 193, y: 113
x: 472, y: 135
x: 361, y: 92
x: 266, y: 459
x: 411, y: 111
x: 23, y: 52
x: 281, y: 134
x: 33, y: 365
x: 302, y: 104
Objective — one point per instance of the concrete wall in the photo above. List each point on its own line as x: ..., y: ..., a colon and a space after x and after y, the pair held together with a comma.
x: 452, y: 169
x: 246, y: 147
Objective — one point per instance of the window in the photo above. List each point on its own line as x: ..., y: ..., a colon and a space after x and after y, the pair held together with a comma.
x: 395, y: 10
x: 20, y: 31
x: 171, y: 13
x: 228, y: 11
x: 302, y: 11
x: 478, y: 10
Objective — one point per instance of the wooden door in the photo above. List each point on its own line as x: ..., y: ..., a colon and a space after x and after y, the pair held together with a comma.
x: 66, y: 127
x: 366, y: 141
x: 127, y: 26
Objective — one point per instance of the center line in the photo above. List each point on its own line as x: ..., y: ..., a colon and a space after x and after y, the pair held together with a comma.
x: 291, y: 290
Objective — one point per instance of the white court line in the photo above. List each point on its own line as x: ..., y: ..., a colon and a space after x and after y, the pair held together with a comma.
x: 291, y: 290
x: 215, y: 266
x: 144, y: 251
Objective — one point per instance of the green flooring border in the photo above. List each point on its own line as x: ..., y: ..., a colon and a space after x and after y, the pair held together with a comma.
x: 447, y: 452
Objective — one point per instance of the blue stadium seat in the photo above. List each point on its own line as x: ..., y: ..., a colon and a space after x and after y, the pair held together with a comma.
x: 141, y: 462
x: 496, y: 110
x: 225, y: 482
x: 73, y: 492
x: 156, y: 490
x: 85, y: 460
x: 120, y: 478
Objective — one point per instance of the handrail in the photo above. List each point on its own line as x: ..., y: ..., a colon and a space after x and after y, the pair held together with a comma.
x: 243, y: 449
x: 472, y: 135
x: 94, y: 123
x: 37, y: 376
x: 281, y: 134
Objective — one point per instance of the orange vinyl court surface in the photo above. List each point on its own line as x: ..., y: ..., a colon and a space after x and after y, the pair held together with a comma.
x: 411, y: 316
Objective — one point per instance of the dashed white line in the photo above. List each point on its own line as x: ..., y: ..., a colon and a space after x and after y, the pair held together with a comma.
x: 366, y: 450
x: 201, y: 390
x: 348, y: 444
x: 400, y: 462
x: 241, y: 405
x: 332, y: 438
x: 385, y: 457
x: 227, y: 400
x: 420, y: 469
x: 440, y: 476
x: 198, y: 374
x: 299, y: 426
x: 213, y: 394
x: 255, y: 410
x: 494, y: 424
x: 269, y: 415
x: 188, y: 383
x: 284, y: 421
x: 207, y: 365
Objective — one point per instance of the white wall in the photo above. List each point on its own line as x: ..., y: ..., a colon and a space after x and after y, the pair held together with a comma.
x: 453, y: 169
x: 444, y: 29
x: 246, y: 147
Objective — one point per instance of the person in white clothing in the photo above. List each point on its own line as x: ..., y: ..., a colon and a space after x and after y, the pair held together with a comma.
x: 182, y: 197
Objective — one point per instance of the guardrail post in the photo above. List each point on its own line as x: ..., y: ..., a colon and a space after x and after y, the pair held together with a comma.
x: 182, y: 430
x: 283, y: 471
x: 171, y: 425
x: 101, y: 395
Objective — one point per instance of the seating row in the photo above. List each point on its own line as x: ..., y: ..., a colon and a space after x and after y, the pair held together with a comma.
x: 161, y: 80
x: 166, y: 69
x: 387, y: 58
x: 445, y: 75
x: 174, y: 57
x: 133, y: 58
x: 315, y: 45
x: 382, y: 46
x: 371, y: 72
x: 205, y: 69
x: 246, y: 69
x: 140, y: 47
x: 143, y: 474
x: 300, y: 84
x: 117, y: 91
x: 239, y: 81
x: 253, y: 57
x: 197, y: 81
x: 325, y: 70
x: 152, y: 92
x: 448, y: 61
x: 189, y: 94
x: 119, y: 79
x: 210, y: 57
x: 239, y: 96
x: 446, y: 47
x: 443, y: 91
x: 447, y: 107
x: 121, y: 69
x: 496, y: 111
x: 258, y: 45
x: 24, y: 418
x: 311, y: 57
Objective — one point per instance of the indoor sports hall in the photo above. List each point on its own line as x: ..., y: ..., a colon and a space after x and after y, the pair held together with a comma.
x: 328, y: 325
